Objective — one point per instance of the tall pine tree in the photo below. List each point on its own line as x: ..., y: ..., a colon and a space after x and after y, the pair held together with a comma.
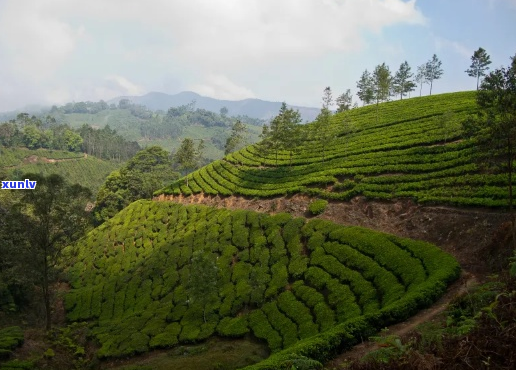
x: 365, y: 88
x: 479, y: 64
x: 402, y: 82
x: 433, y: 70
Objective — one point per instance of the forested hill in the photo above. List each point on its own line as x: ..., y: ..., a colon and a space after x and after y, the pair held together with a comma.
x: 409, y: 148
x: 136, y: 122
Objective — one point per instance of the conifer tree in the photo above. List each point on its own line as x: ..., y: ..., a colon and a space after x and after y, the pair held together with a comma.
x: 344, y: 101
x: 479, y: 64
x: 323, y: 124
x: 402, y: 82
x: 382, y: 83
x: 188, y: 157
x: 421, y: 77
x: 365, y: 88
x: 433, y: 70
x: 283, y: 131
x: 237, y: 139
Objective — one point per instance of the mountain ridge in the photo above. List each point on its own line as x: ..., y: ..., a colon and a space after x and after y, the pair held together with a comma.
x: 252, y: 107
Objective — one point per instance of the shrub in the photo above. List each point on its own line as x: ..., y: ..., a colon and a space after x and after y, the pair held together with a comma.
x: 167, y: 338
x: 317, y: 207
x: 233, y: 326
x: 10, y: 338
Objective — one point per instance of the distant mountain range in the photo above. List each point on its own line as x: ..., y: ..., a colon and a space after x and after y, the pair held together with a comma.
x: 254, y: 108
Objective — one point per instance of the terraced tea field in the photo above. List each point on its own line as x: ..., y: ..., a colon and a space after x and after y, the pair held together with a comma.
x: 414, y: 149
x: 301, y: 286
x: 90, y: 172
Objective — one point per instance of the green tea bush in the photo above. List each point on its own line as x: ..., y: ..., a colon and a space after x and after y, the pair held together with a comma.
x: 281, y: 323
x: 262, y: 329
x: 233, y: 326
x: 168, y: 337
x: 318, y: 206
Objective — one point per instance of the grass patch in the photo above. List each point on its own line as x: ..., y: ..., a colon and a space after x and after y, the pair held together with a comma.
x: 215, y: 354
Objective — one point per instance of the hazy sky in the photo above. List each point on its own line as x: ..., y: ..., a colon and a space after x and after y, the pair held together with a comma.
x: 55, y: 51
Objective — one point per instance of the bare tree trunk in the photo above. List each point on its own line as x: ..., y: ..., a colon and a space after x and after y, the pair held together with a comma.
x: 46, y: 294
x: 511, y: 208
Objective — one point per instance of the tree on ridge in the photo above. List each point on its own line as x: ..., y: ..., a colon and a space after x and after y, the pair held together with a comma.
x: 479, y: 64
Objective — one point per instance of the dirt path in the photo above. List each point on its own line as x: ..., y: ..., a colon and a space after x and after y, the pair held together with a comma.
x: 404, y: 328
x: 35, y: 159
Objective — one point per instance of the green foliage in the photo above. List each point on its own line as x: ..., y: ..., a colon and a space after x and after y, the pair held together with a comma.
x: 402, y: 82
x: 53, y: 215
x: 283, y: 133
x: 203, y: 279
x: 237, y: 139
x: 318, y: 206
x: 391, y: 348
x: 10, y: 338
x: 147, y: 171
x: 148, y: 278
x: 433, y: 70
x: 479, y: 64
x: 17, y: 365
x: 188, y: 157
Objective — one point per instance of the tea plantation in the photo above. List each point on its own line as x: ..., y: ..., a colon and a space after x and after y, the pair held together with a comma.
x: 414, y: 148
x: 304, y: 287
x: 90, y: 172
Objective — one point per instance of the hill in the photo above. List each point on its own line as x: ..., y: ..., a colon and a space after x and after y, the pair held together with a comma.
x: 411, y: 148
x: 302, y: 286
x: 75, y: 167
x: 158, y: 129
x: 254, y: 108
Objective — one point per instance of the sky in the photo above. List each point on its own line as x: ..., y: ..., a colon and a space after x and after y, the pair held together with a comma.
x: 57, y: 51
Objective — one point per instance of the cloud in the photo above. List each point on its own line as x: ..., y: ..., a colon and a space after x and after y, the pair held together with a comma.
x: 221, y: 87
x: 457, y: 47
x: 217, y: 34
x: 56, y: 48
x: 33, y: 45
x: 123, y: 85
x: 494, y: 3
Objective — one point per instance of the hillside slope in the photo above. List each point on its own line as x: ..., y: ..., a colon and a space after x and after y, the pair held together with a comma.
x: 413, y: 148
x: 288, y: 281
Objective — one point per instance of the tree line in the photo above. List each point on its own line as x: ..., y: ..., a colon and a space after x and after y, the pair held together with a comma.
x: 381, y: 84
x: 35, y: 133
